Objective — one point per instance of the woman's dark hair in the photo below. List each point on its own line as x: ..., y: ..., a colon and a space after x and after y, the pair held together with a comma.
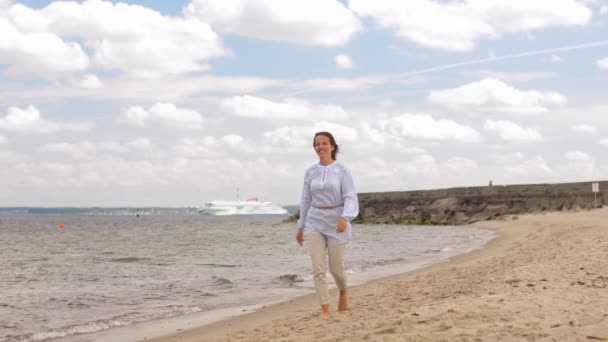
x: 332, y: 142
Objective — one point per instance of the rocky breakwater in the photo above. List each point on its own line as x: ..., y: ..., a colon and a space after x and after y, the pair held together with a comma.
x: 465, y: 205
x: 456, y: 206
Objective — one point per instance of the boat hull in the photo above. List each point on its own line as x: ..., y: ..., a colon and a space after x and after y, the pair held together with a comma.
x: 229, y: 209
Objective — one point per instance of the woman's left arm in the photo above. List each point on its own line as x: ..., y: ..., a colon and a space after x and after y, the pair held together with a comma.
x: 349, y: 196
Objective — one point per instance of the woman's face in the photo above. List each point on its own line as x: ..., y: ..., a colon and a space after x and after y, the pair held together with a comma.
x: 323, y: 146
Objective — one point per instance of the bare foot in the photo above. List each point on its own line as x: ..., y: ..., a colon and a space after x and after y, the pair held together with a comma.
x: 343, y: 303
x: 325, y: 311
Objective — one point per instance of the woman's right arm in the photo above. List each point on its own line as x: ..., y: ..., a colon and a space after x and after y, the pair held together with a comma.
x: 304, y: 206
x: 305, y: 201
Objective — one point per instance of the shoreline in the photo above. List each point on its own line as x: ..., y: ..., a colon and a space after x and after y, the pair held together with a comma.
x: 162, y: 327
x: 543, y: 277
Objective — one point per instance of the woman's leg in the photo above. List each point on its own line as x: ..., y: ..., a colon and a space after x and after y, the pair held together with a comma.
x: 317, y: 246
x: 336, y: 267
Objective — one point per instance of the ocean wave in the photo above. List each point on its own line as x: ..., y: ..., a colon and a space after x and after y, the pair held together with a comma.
x: 222, y: 281
x: 218, y: 265
x: 198, y: 293
x: 383, y: 262
x: 90, y: 327
x: 99, y: 325
x: 128, y: 259
x: 87, y: 278
x: 438, y: 250
x: 291, y: 278
x: 77, y: 305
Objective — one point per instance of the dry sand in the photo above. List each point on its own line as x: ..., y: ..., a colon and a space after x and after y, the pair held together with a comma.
x: 544, y: 278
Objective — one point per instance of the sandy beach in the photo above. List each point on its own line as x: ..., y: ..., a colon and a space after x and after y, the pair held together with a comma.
x: 544, y: 278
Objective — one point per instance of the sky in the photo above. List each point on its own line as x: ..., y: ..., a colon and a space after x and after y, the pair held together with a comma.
x: 176, y: 103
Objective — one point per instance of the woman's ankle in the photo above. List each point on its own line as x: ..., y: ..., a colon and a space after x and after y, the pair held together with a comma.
x: 324, y: 310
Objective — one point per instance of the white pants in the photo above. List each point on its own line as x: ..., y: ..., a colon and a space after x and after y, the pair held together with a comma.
x: 318, y: 247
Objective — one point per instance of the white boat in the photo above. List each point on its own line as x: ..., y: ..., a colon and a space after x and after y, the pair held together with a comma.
x: 249, y: 207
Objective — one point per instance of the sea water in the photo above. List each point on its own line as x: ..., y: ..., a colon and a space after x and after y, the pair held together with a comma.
x: 104, y: 271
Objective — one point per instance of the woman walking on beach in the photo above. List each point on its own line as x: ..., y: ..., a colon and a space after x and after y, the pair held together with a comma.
x: 329, y: 203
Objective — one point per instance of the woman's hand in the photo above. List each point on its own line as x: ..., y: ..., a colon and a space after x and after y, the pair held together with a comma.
x: 342, y: 225
x: 300, y: 236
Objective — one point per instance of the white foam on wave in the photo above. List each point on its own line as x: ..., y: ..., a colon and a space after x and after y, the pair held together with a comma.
x: 79, y: 329
x: 100, y: 325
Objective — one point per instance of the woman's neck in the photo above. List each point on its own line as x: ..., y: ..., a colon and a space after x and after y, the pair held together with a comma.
x: 325, y: 161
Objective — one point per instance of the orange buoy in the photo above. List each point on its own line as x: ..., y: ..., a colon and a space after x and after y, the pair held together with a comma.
x: 60, y: 226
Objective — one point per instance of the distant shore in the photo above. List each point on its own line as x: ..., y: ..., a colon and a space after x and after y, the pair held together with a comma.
x: 544, y: 278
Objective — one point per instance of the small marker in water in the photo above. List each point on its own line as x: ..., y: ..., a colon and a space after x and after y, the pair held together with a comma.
x: 60, y: 226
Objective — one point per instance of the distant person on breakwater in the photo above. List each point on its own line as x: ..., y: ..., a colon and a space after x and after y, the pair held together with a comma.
x: 329, y: 203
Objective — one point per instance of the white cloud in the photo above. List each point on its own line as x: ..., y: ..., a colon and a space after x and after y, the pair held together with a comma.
x: 166, y: 113
x: 288, y: 109
x: 3, y: 140
x: 554, y: 59
x: 578, y: 156
x: 460, y: 170
x: 372, y: 134
x: 603, y: 63
x: 459, y: 25
x: 450, y: 27
x: 135, y: 90
x: 493, y: 95
x: 92, y: 150
x: 5, y: 5
x: 604, y: 9
x: 90, y: 81
x: 30, y: 120
x: 421, y: 171
x: 210, y: 148
x: 509, y: 77
x: 233, y: 140
x: 85, y: 149
x: 422, y: 165
x: 105, y: 172
x: 581, y: 166
x: 314, y: 22
x: 584, y: 129
x: 425, y: 127
x: 590, y: 114
x: 340, y: 84
x: 8, y: 158
x: 299, y: 136
x: 604, y: 142
x: 343, y: 61
x: 139, y: 144
x: 38, y: 53
x: 510, y: 131
x: 130, y: 38
x: 196, y: 148
x: 536, y: 167
x: 509, y: 158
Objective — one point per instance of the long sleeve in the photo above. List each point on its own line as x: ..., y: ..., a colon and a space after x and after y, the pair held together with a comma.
x: 349, y: 195
x: 306, y: 200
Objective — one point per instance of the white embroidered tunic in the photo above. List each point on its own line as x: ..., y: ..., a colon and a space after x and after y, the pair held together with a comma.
x: 328, y: 186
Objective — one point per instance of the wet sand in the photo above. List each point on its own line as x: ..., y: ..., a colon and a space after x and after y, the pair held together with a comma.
x: 544, y: 278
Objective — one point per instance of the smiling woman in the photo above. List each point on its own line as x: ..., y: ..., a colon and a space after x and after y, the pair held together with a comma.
x: 329, y: 203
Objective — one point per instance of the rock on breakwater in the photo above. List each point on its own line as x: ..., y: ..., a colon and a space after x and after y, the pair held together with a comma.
x: 464, y: 205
